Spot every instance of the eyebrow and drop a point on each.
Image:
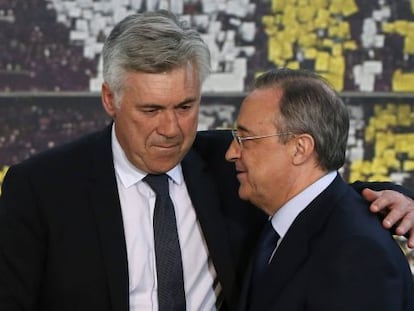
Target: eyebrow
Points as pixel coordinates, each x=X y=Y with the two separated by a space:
x=242 y=128
x=188 y=101
x=156 y=105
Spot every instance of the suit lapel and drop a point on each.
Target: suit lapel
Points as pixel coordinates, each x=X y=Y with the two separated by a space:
x=106 y=206
x=293 y=251
x=243 y=303
x=205 y=198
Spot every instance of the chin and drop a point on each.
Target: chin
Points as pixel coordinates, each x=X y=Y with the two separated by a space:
x=243 y=195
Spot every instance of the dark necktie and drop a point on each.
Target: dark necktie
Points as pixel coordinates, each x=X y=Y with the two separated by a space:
x=171 y=295
x=266 y=246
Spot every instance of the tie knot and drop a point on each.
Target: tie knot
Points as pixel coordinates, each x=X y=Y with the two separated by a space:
x=158 y=183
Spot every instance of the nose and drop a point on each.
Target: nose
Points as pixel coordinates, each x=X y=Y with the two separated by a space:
x=233 y=152
x=168 y=124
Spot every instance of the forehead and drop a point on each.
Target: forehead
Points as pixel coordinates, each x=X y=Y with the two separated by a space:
x=260 y=108
x=182 y=81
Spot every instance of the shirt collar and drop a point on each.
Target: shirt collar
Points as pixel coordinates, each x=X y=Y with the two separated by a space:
x=286 y=215
x=128 y=174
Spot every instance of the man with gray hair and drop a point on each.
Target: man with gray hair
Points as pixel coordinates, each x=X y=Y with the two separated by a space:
x=143 y=215
x=321 y=249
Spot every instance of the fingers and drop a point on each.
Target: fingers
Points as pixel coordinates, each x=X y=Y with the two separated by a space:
x=400 y=208
x=398 y=211
x=406 y=228
x=370 y=195
x=410 y=242
x=378 y=200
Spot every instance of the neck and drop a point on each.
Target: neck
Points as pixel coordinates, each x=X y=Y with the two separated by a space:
x=295 y=184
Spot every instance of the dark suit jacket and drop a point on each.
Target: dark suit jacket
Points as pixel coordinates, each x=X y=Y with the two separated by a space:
x=62 y=244
x=335 y=256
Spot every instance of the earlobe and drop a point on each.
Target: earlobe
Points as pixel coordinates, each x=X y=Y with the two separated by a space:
x=108 y=101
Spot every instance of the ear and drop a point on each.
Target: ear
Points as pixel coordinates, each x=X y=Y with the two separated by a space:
x=303 y=149
x=108 y=100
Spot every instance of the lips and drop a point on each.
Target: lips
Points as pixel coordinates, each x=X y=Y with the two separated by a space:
x=167 y=146
x=165 y=151
x=239 y=168
x=240 y=174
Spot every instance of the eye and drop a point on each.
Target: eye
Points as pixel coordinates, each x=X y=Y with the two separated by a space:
x=185 y=107
x=149 y=110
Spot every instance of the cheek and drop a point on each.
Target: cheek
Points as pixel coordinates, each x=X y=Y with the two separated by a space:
x=188 y=126
x=262 y=172
x=191 y=120
x=136 y=131
x=250 y=187
x=253 y=175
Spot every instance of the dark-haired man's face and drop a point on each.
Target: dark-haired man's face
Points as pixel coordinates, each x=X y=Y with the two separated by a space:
x=263 y=164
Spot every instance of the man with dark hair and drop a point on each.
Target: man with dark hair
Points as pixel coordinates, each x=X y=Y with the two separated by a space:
x=321 y=249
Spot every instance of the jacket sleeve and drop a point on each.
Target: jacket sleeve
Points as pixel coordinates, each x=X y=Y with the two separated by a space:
x=22 y=243
x=360 y=185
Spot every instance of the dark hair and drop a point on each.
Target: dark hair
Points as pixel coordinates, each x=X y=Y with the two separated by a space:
x=310 y=105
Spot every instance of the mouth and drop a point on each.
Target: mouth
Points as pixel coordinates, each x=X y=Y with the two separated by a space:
x=167 y=146
x=239 y=169
x=240 y=174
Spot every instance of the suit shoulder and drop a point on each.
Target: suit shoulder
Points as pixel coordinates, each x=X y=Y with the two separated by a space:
x=216 y=141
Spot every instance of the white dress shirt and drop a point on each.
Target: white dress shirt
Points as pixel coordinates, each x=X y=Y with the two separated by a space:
x=287 y=214
x=137 y=204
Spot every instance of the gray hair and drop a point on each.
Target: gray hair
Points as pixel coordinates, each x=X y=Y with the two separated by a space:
x=152 y=42
x=310 y=105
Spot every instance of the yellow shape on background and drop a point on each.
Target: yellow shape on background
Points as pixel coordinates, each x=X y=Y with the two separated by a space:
x=337 y=50
x=311 y=53
x=293 y=65
x=402 y=82
x=278 y=5
x=337 y=65
x=336 y=80
x=401 y=26
x=336 y=7
x=3 y=172
x=306 y=13
x=344 y=30
x=349 y=7
x=322 y=61
x=390 y=159
x=319 y=4
x=268 y=20
x=350 y=45
x=307 y=40
x=379 y=177
x=388 y=27
x=408 y=165
x=409 y=44
x=322 y=18
x=327 y=42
